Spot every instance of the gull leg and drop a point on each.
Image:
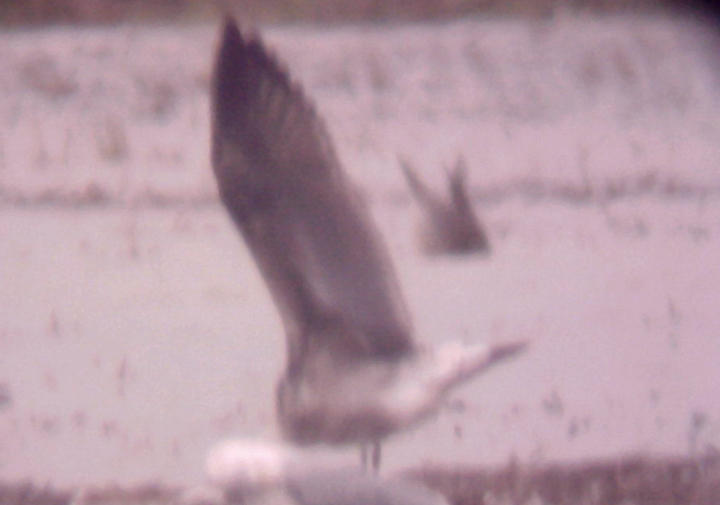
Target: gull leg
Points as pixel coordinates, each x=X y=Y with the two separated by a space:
x=364 y=457
x=376 y=454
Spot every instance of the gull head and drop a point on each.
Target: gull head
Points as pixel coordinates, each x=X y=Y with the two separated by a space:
x=246 y=468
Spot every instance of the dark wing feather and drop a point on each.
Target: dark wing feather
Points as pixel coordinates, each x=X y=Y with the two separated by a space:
x=417 y=187
x=310 y=234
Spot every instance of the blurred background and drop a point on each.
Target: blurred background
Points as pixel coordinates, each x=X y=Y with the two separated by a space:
x=135 y=330
x=112 y=11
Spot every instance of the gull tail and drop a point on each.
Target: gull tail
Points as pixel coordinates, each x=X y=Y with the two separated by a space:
x=458 y=362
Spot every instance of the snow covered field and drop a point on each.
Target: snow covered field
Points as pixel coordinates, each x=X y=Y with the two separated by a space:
x=135 y=330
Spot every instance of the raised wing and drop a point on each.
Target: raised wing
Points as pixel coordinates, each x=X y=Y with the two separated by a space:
x=308 y=230
x=418 y=188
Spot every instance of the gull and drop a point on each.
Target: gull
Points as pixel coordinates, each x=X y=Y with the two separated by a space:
x=250 y=471
x=449 y=224
x=354 y=372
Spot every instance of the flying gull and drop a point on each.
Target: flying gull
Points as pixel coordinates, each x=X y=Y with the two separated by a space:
x=250 y=471
x=449 y=224
x=354 y=373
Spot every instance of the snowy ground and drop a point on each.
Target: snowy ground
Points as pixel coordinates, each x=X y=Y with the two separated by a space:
x=135 y=330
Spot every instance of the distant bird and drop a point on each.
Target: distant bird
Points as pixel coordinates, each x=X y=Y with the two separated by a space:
x=450 y=225
x=248 y=471
x=353 y=373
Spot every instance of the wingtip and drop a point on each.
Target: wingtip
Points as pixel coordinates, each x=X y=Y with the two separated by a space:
x=508 y=349
x=238 y=42
x=242 y=57
x=231 y=35
x=230 y=26
x=239 y=59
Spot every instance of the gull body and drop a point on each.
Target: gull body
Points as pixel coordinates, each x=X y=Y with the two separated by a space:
x=354 y=372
